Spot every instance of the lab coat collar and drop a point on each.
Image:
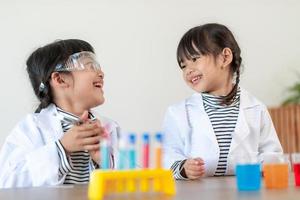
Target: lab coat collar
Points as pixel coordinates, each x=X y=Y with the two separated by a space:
x=48 y=121
x=241 y=130
x=246 y=101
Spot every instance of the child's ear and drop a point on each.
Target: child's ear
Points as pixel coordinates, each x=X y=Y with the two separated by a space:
x=227 y=57
x=59 y=80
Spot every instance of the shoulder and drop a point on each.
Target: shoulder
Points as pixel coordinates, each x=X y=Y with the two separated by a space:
x=248 y=100
x=23 y=130
x=177 y=107
x=179 y=111
x=29 y=126
x=27 y=123
x=193 y=100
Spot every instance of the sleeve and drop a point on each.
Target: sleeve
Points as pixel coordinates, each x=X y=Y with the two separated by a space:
x=178 y=170
x=64 y=164
x=26 y=161
x=269 y=142
x=95 y=165
x=173 y=146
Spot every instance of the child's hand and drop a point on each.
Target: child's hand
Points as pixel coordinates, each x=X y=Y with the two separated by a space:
x=194 y=168
x=83 y=137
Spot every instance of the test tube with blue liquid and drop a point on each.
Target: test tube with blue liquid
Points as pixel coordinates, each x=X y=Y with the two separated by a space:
x=132 y=151
x=122 y=161
x=105 y=153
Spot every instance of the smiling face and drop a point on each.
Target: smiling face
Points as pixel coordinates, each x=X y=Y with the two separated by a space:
x=87 y=88
x=204 y=73
x=210 y=59
x=80 y=89
x=87 y=85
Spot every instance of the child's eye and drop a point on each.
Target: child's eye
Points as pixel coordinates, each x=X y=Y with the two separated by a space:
x=182 y=66
x=195 y=59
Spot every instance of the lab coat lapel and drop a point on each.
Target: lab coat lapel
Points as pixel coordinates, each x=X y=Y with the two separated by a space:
x=242 y=129
x=200 y=120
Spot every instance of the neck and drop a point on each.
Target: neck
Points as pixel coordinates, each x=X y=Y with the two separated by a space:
x=71 y=107
x=224 y=86
x=224 y=89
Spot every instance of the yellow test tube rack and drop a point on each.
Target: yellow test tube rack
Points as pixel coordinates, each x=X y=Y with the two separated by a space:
x=114 y=182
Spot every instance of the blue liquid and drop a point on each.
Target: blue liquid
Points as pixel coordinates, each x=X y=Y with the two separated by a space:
x=131 y=151
x=132 y=159
x=248 y=177
x=104 y=157
x=122 y=159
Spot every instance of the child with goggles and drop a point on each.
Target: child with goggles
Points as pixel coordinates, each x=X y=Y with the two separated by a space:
x=59 y=143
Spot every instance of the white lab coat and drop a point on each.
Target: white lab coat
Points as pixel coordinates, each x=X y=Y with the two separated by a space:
x=192 y=135
x=29 y=156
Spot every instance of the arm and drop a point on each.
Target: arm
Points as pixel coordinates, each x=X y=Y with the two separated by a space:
x=29 y=157
x=269 y=142
x=24 y=167
x=173 y=147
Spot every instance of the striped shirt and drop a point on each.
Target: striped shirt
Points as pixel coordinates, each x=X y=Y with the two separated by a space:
x=177 y=169
x=77 y=165
x=223 y=119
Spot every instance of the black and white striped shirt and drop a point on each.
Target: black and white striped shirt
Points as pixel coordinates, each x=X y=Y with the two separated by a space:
x=177 y=169
x=77 y=165
x=223 y=119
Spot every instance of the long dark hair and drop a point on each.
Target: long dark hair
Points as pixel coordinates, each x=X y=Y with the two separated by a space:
x=42 y=62
x=211 y=39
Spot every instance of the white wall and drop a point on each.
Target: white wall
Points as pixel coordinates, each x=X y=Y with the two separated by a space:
x=136 y=42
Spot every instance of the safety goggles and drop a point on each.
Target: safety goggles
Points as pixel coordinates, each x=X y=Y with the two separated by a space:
x=83 y=60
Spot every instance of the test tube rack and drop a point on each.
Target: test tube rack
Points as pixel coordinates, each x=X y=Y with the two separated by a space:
x=113 y=182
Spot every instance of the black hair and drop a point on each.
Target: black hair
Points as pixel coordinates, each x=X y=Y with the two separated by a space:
x=211 y=39
x=42 y=62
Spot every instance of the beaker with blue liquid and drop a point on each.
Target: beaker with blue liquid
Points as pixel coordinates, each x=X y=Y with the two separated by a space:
x=248 y=173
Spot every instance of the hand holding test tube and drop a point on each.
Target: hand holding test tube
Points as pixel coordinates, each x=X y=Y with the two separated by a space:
x=84 y=136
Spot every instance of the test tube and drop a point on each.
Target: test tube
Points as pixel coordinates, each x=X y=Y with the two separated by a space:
x=105 y=153
x=122 y=154
x=158 y=150
x=132 y=151
x=145 y=149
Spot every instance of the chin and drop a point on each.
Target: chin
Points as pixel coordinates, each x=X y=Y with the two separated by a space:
x=199 y=89
x=100 y=101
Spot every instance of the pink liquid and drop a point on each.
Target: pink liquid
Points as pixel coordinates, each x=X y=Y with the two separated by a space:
x=297 y=173
x=146 y=156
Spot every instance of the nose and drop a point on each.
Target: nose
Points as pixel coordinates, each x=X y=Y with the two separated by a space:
x=100 y=73
x=190 y=71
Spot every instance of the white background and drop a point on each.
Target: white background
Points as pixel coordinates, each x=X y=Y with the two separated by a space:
x=136 y=44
